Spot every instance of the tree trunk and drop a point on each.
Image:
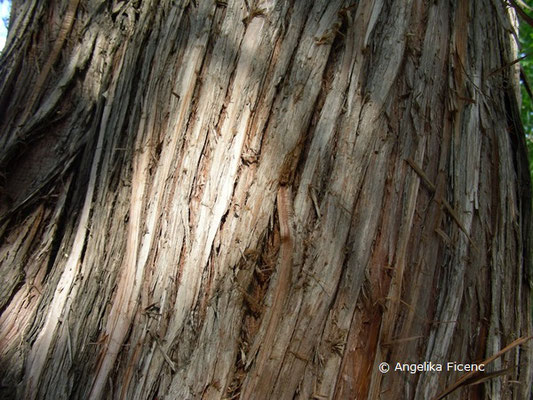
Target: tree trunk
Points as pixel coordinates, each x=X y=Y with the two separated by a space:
x=262 y=200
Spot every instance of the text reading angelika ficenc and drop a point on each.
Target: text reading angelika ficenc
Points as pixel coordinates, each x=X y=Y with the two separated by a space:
x=428 y=366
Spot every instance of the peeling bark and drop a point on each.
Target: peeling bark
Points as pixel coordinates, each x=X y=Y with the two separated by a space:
x=152 y=152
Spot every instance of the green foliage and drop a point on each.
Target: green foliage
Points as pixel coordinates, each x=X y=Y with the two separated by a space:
x=526 y=42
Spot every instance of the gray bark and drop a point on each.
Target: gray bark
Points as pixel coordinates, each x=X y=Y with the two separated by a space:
x=144 y=145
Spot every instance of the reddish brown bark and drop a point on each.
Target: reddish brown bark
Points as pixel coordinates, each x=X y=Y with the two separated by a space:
x=144 y=255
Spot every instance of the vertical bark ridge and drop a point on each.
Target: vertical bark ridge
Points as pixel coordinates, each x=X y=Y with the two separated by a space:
x=141 y=258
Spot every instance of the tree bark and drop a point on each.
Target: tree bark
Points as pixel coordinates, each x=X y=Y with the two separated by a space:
x=262 y=200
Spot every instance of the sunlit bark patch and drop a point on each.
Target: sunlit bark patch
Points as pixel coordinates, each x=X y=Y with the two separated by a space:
x=262 y=200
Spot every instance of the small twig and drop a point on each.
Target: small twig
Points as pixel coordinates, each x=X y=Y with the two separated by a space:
x=474 y=377
x=445 y=204
x=163 y=352
x=509 y=64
